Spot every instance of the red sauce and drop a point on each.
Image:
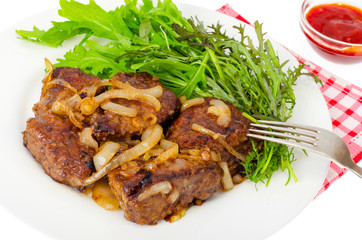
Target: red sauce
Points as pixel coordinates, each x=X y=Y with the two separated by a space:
x=339 y=21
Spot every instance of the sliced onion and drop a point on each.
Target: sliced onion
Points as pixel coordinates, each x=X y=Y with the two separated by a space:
x=161 y=187
x=220 y=139
x=61 y=82
x=130 y=95
x=191 y=157
x=61 y=108
x=215 y=155
x=150 y=118
x=220 y=109
x=48 y=76
x=183 y=99
x=155 y=152
x=89 y=91
x=48 y=65
x=206 y=131
x=191 y=102
x=226 y=180
x=237 y=179
x=88 y=106
x=119 y=109
x=87 y=139
x=132 y=142
x=165 y=144
x=192 y=152
x=74 y=101
x=146 y=134
x=128 y=155
x=173 y=196
x=105 y=154
x=156 y=91
x=172 y=150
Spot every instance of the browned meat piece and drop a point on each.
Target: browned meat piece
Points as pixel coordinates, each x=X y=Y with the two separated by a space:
x=149 y=196
x=235 y=134
x=54 y=143
x=74 y=76
x=110 y=124
x=53 y=140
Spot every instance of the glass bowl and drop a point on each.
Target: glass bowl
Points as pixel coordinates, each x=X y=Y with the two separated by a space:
x=324 y=42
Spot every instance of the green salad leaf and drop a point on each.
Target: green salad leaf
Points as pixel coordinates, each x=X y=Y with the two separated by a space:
x=189 y=58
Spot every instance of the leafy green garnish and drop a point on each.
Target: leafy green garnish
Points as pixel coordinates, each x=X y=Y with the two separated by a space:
x=188 y=58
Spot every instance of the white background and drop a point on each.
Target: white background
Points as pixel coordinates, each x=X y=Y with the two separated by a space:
x=333 y=215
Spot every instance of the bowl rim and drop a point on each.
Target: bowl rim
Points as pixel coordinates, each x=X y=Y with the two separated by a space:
x=307 y=5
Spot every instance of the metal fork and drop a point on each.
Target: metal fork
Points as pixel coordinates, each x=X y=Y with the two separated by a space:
x=306 y=137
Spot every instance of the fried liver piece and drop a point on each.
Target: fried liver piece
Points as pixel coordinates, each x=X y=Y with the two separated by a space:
x=54 y=141
x=181 y=132
x=109 y=124
x=55 y=145
x=142 y=200
x=74 y=76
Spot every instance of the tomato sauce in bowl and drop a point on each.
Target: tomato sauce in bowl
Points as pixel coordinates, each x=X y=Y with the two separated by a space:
x=339 y=21
x=333 y=27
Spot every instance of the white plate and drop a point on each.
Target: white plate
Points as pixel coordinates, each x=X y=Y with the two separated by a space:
x=251 y=211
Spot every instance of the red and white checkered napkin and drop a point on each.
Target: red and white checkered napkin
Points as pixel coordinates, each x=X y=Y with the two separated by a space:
x=344 y=101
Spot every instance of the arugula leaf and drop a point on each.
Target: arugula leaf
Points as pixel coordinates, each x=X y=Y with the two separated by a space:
x=56 y=35
x=92 y=16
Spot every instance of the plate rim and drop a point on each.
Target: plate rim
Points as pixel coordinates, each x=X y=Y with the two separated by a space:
x=27 y=19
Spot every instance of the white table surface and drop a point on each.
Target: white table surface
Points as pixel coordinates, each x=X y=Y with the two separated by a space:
x=333 y=215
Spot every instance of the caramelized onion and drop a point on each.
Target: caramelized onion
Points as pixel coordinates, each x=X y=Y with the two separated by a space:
x=74 y=101
x=173 y=196
x=48 y=65
x=89 y=91
x=87 y=139
x=237 y=179
x=88 y=106
x=156 y=91
x=150 y=118
x=119 y=109
x=220 y=109
x=48 y=76
x=171 y=151
x=161 y=187
x=220 y=139
x=226 y=180
x=192 y=152
x=105 y=154
x=128 y=155
x=130 y=95
x=61 y=108
x=155 y=152
x=182 y=99
x=60 y=82
x=191 y=157
x=191 y=102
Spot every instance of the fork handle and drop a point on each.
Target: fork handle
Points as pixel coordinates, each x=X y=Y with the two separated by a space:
x=356 y=170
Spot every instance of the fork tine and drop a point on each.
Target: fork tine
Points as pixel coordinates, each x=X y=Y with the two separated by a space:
x=310 y=138
x=292 y=125
x=301 y=132
x=283 y=135
x=281 y=141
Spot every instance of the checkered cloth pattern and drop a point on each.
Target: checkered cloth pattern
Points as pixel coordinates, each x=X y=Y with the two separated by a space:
x=344 y=101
